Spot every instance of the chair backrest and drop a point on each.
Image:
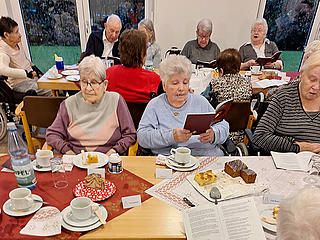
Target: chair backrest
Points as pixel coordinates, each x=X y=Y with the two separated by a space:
x=41 y=111
x=238 y=115
x=136 y=110
x=173 y=50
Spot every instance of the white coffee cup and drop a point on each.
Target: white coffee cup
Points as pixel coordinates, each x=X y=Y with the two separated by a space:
x=43 y=157
x=21 y=198
x=181 y=154
x=53 y=72
x=255 y=69
x=81 y=208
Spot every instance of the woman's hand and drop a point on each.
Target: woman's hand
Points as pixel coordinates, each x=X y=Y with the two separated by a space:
x=70 y=152
x=181 y=135
x=208 y=136
x=111 y=151
x=310 y=147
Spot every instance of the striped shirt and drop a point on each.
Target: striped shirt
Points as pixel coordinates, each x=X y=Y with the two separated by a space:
x=285 y=122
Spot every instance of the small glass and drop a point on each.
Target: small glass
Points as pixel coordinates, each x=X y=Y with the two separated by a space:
x=110 y=63
x=58 y=173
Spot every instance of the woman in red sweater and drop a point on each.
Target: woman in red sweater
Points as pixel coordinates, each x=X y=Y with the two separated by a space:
x=129 y=79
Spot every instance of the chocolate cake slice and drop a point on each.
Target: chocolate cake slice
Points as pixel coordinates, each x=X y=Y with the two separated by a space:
x=234 y=167
x=248 y=175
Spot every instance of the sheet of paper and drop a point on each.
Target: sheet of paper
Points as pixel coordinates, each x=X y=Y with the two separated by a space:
x=292 y=161
x=163 y=173
x=269 y=83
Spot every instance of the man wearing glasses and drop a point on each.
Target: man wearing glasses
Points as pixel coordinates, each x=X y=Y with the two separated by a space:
x=202 y=48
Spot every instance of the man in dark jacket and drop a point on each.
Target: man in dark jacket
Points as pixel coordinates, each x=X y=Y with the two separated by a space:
x=105 y=43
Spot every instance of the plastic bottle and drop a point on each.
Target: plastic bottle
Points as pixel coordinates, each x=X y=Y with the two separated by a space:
x=149 y=62
x=21 y=164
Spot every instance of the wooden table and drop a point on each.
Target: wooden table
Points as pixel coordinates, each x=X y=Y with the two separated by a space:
x=56 y=84
x=153 y=220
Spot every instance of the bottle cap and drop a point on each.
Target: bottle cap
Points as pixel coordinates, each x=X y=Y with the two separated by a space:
x=11 y=126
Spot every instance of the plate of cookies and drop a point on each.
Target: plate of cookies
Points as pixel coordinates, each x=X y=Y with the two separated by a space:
x=235 y=180
x=269 y=214
x=87 y=160
x=94 y=187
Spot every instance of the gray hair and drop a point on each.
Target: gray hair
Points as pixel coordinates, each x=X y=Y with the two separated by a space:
x=205 y=24
x=113 y=17
x=311 y=48
x=260 y=21
x=92 y=64
x=312 y=61
x=148 y=25
x=174 y=64
x=299 y=216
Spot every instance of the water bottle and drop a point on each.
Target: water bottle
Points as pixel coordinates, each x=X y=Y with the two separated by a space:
x=148 y=65
x=21 y=164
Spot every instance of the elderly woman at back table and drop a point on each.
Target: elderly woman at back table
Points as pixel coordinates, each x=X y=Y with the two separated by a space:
x=230 y=84
x=299 y=216
x=161 y=126
x=153 y=51
x=259 y=46
x=292 y=120
x=92 y=119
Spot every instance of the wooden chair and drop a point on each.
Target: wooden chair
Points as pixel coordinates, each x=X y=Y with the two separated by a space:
x=38 y=112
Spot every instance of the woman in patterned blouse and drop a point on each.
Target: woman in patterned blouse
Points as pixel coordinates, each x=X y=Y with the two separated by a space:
x=230 y=84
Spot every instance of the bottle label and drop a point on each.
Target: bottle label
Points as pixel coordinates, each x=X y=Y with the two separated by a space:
x=24 y=175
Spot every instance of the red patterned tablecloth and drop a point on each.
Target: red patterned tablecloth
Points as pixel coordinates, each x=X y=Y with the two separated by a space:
x=126 y=182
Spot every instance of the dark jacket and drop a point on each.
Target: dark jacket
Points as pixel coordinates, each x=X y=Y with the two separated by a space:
x=95 y=45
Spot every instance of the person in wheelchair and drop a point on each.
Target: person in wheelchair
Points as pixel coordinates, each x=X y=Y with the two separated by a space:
x=229 y=85
x=21 y=72
x=93 y=119
x=161 y=125
x=291 y=122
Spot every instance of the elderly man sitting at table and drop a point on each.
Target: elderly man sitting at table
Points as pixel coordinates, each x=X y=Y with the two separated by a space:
x=93 y=119
x=161 y=126
x=202 y=48
x=259 y=46
x=292 y=121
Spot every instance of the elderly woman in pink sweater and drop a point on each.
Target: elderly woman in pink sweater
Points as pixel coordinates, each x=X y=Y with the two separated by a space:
x=93 y=119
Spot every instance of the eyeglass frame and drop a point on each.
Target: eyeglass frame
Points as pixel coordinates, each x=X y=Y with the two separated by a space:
x=92 y=86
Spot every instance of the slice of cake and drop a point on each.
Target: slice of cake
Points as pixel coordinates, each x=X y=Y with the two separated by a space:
x=248 y=175
x=92 y=158
x=205 y=178
x=276 y=211
x=234 y=167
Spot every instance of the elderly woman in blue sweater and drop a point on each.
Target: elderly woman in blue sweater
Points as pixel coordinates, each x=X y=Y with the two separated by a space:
x=161 y=125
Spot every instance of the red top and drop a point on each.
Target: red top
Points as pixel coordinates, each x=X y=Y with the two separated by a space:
x=133 y=84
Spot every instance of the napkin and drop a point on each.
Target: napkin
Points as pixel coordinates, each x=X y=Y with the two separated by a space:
x=161 y=159
x=46 y=222
x=68 y=162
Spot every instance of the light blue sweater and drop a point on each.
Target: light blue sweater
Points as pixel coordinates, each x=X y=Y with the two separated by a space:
x=158 y=121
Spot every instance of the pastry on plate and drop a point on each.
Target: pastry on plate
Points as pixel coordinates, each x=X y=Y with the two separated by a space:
x=234 y=167
x=205 y=178
x=276 y=211
x=94 y=181
x=248 y=175
x=92 y=158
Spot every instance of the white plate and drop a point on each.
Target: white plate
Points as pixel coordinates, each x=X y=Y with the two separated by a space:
x=184 y=169
x=256 y=73
x=72 y=221
x=104 y=214
x=266 y=210
x=70 y=72
x=57 y=77
x=190 y=164
x=73 y=78
x=41 y=169
x=18 y=213
x=102 y=160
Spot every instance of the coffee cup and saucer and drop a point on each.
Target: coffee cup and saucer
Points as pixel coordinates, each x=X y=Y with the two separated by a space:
x=21 y=203
x=42 y=162
x=80 y=217
x=181 y=159
x=255 y=70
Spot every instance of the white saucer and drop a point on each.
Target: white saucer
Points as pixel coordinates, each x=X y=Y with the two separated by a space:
x=266 y=210
x=104 y=214
x=55 y=77
x=71 y=220
x=18 y=213
x=191 y=162
x=40 y=169
x=184 y=169
x=73 y=78
x=256 y=73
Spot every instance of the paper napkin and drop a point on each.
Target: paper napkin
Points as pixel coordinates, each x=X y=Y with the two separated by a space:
x=161 y=159
x=46 y=222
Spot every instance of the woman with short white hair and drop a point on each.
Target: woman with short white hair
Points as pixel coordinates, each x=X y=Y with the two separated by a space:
x=161 y=125
x=93 y=119
x=299 y=216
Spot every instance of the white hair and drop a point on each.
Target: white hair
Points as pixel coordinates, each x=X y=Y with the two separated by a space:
x=311 y=48
x=174 y=64
x=206 y=25
x=113 y=17
x=299 y=216
x=148 y=25
x=260 y=21
x=311 y=62
x=93 y=64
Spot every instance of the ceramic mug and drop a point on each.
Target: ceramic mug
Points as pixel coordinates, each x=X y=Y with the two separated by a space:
x=43 y=157
x=254 y=69
x=21 y=198
x=181 y=154
x=81 y=208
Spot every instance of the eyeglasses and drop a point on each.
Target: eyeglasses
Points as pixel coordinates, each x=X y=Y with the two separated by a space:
x=93 y=84
x=257 y=30
x=204 y=36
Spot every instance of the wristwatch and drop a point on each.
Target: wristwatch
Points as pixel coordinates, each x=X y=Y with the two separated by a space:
x=274 y=65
